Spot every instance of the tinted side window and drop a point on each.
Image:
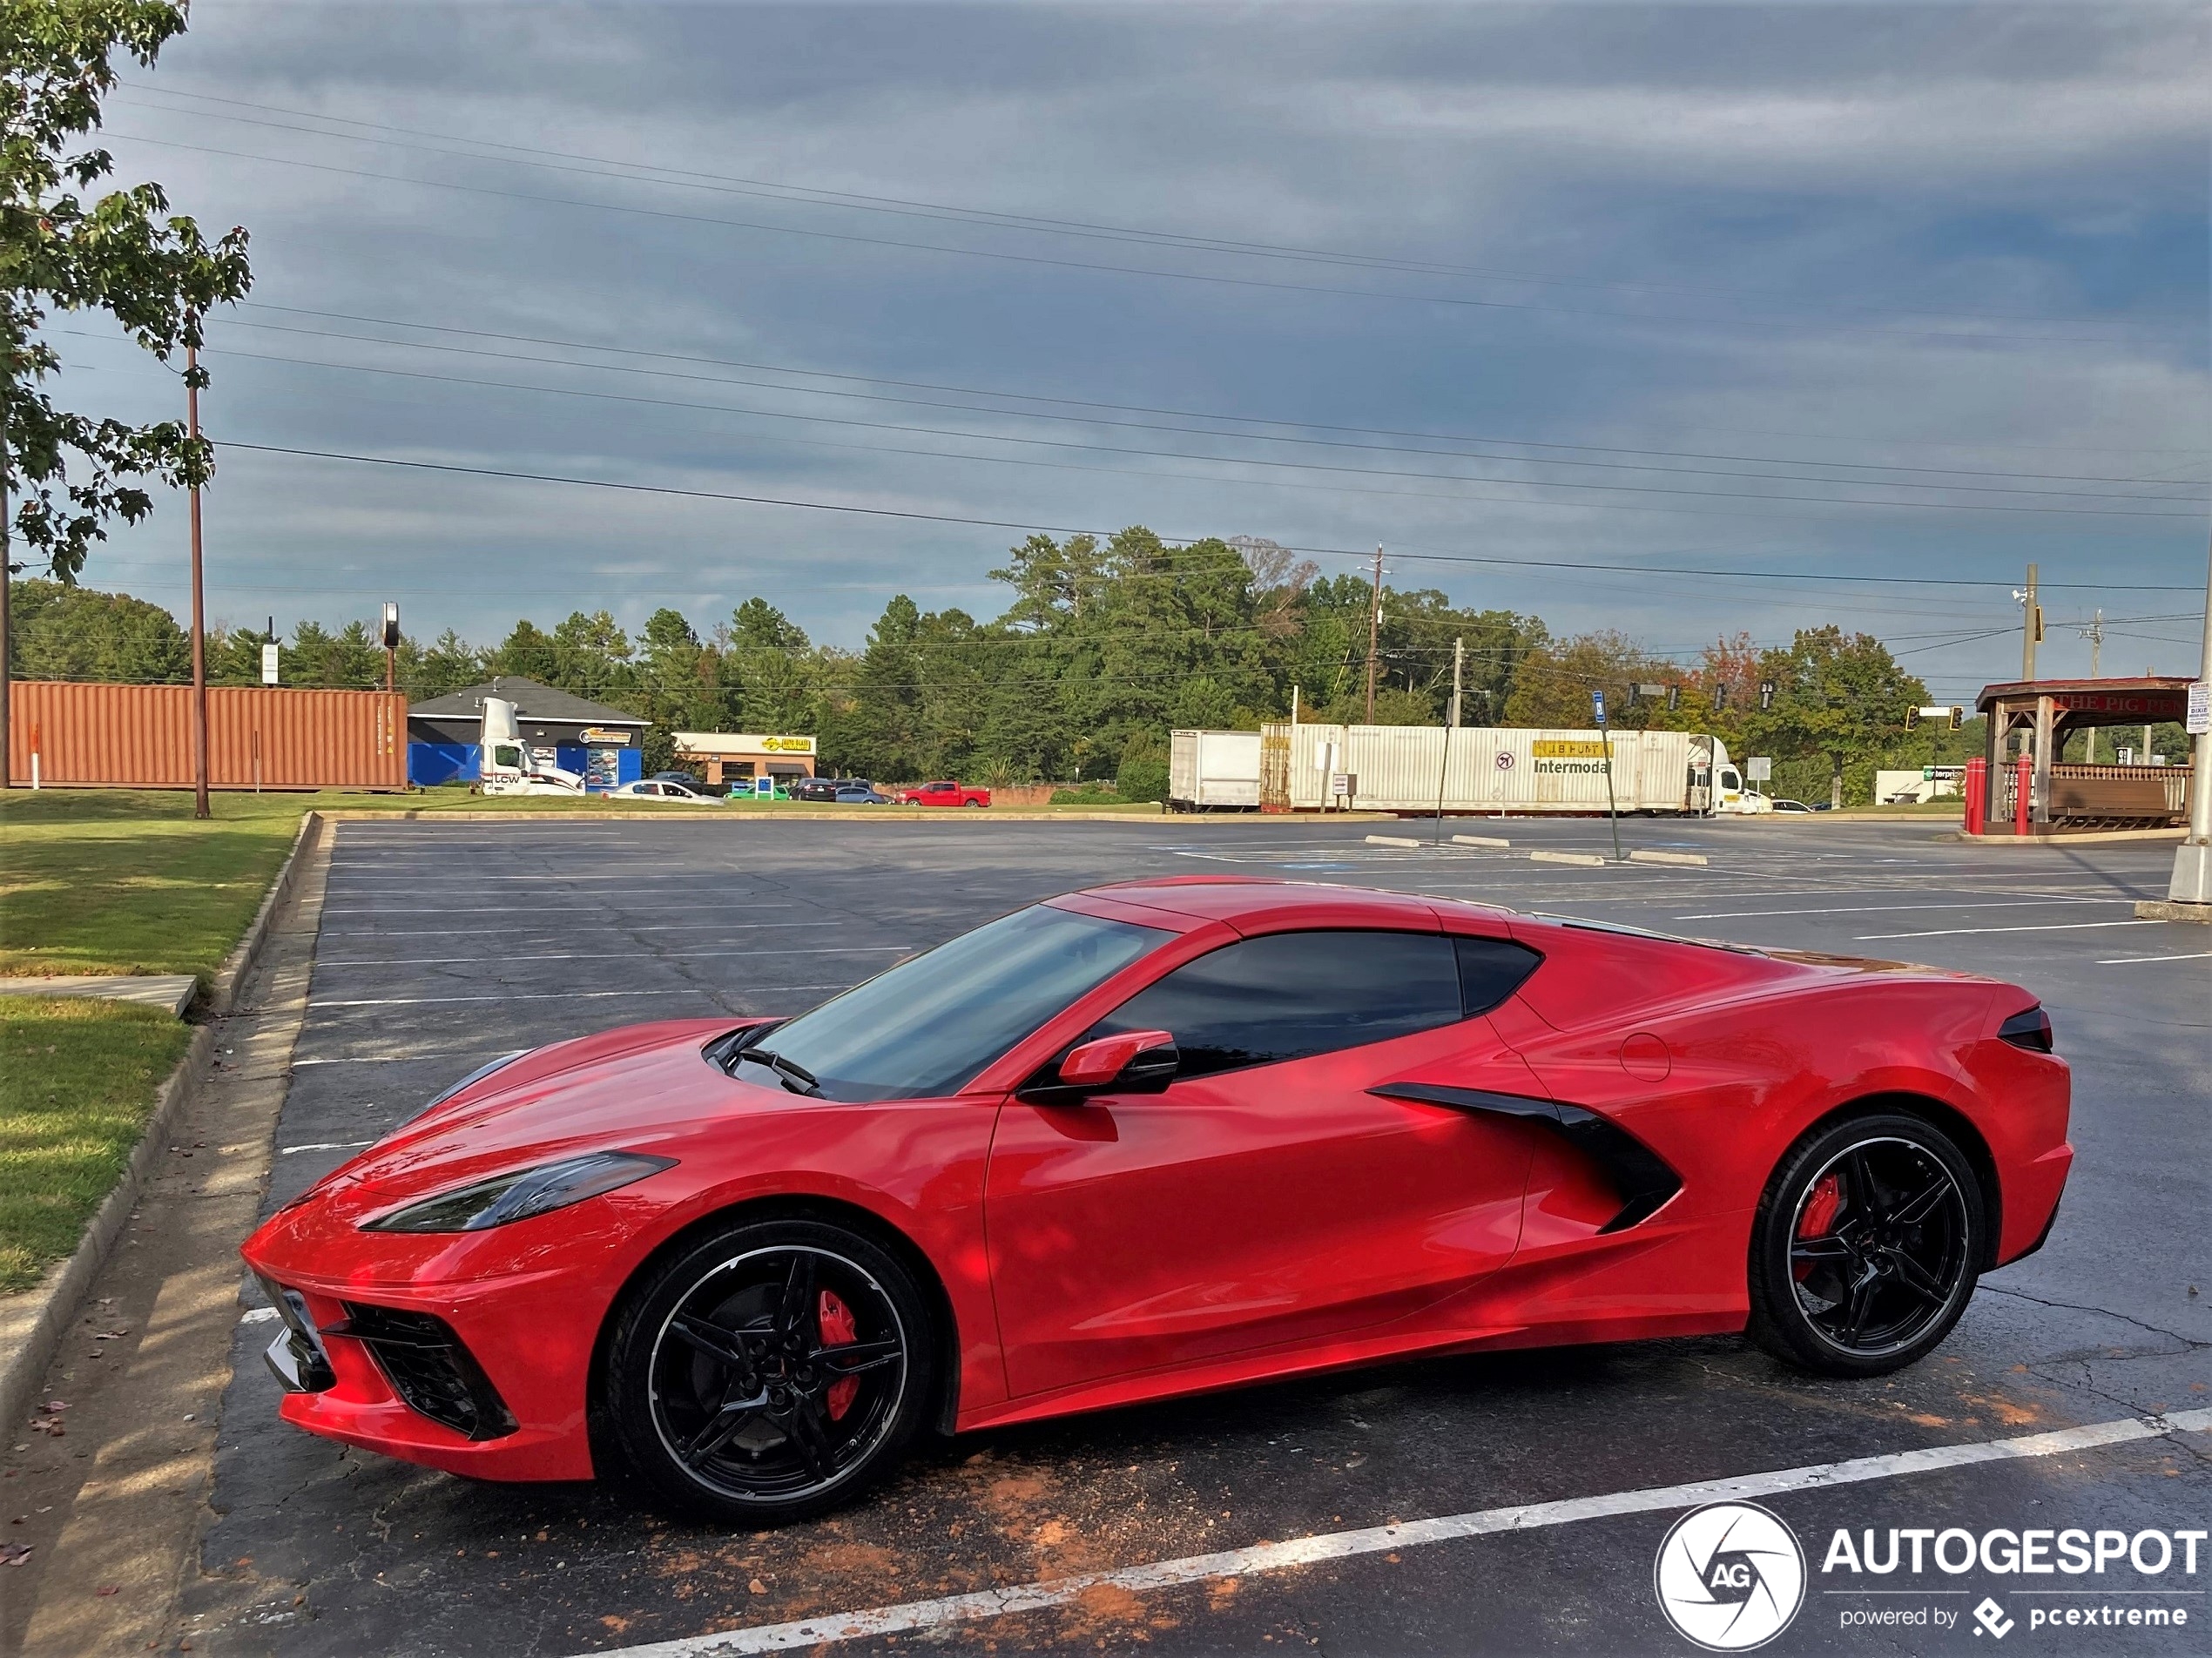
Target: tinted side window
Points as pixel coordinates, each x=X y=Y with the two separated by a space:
x=1290 y=994
x=1491 y=970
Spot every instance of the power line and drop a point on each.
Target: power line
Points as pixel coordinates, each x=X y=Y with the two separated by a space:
x=1073 y=402
x=850 y=237
x=1062 y=530
x=1295 y=466
x=1514 y=460
x=806 y=195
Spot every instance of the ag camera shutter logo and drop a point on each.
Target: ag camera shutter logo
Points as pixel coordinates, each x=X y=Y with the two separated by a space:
x=1730 y=1576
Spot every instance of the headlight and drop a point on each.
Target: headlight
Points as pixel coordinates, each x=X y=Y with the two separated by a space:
x=476 y=1075
x=518 y=1196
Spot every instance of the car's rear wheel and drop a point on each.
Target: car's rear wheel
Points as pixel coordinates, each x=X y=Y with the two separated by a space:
x=771 y=1373
x=1867 y=1247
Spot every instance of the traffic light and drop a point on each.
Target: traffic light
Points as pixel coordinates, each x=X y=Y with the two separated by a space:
x=1720 y=695
x=1766 y=694
x=1912 y=718
x=1674 y=697
x=1957 y=717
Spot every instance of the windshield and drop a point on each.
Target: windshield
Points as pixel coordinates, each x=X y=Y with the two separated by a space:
x=929 y=1024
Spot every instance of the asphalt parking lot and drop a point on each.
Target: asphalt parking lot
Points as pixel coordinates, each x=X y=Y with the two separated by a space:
x=442 y=944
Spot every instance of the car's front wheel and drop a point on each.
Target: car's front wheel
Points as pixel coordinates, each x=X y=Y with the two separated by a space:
x=1867 y=1247
x=771 y=1373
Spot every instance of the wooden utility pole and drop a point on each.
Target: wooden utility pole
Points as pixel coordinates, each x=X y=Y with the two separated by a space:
x=1374 y=631
x=199 y=605
x=7 y=638
x=1451 y=725
x=2031 y=627
x=1458 y=661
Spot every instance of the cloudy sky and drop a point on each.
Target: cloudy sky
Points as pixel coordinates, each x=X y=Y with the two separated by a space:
x=1755 y=309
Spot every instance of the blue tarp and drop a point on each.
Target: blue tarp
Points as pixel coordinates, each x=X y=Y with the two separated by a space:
x=431 y=763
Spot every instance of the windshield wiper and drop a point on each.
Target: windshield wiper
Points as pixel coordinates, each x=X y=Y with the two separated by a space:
x=790 y=1073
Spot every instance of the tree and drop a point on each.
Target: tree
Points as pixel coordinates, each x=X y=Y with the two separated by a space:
x=526 y=653
x=1552 y=682
x=1838 y=697
x=65 y=632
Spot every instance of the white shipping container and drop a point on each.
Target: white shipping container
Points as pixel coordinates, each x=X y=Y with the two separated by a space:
x=1212 y=770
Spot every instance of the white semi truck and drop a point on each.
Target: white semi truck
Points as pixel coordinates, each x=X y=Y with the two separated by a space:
x=1476 y=769
x=508 y=768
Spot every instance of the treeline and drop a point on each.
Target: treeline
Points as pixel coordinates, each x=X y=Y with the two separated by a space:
x=1103 y=650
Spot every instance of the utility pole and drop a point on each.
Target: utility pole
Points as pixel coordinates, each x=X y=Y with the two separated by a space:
x=7 y=638
x=1374 y=631
x=2096 y=634
x=2192 y=882
x=199 y=605
x=2031 y=625
x=1451 y=725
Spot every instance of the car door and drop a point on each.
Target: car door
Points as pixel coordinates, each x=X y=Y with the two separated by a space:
x=1267 y=1196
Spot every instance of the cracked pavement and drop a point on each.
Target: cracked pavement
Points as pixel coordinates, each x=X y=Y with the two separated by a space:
x=444 y=944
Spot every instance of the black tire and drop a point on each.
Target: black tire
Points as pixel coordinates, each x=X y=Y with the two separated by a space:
x=723 y=1385
x=1867 y=1245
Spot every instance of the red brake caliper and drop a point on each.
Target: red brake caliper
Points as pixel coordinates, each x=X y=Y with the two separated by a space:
x=839 y=1329
x=1820 y=1214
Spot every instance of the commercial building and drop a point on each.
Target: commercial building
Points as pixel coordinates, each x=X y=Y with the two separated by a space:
x=735 y=756
x=445 y=735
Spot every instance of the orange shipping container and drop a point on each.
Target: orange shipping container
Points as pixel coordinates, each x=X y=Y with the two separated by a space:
x=140 y=736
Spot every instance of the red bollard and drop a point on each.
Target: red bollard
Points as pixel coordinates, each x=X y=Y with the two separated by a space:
x=2023 y=792
x=1977 y=793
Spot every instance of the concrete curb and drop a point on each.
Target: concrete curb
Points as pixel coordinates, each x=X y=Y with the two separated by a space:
x=1595 y=860
x=2160 y=909
x=863 y=815
x=1394 y=840
x=1695 y=859
x=2091 y=837
x=1479 y=840
x=31 y=1325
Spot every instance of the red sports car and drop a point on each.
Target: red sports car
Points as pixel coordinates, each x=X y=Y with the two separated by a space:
x=1150 y=1139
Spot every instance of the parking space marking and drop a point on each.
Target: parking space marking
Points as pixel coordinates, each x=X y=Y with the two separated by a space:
x=1339 y=1546
x=2048 y=926
x=2129 y=961
x=481 y=931
x=572 y=995
x=594 y=955
x=324 y=1145
x=1936 y=904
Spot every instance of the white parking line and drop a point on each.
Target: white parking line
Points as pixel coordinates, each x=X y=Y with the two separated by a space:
x=1374 y=1540
x=1933 y=904
x=597 y=955
x=554 y=933
x=2129 y=961
x=2051 y=926
x=324 y=1145
x=572 y=995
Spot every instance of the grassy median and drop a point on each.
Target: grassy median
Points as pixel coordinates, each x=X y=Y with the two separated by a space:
x=77 y=1078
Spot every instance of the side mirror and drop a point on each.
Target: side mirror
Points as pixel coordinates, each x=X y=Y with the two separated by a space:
x=1135 y=1061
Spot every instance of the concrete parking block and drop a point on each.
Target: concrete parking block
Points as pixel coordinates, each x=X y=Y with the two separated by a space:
x=1595 y=859
x=1695 y=859
x=1394 y=840
x=1480 y=840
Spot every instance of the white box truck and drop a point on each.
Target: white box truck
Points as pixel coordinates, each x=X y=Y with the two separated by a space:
x=1407 y=768
x=1213 y=771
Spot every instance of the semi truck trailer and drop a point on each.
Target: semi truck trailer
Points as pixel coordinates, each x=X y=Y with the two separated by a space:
x=1483 y=769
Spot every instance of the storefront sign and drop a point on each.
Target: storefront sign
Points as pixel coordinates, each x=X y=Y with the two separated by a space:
x=593 y=734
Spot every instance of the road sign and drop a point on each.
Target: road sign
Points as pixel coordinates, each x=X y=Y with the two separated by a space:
x=2197 y=718
x=1504 y=762
x=269 y=655
x=1597 y=705
x=1759 y=768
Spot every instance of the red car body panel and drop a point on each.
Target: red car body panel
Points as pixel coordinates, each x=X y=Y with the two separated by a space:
x=1135 y=1246
x=945 y=794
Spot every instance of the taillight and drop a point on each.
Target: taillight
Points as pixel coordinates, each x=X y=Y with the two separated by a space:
x=2031 y=1029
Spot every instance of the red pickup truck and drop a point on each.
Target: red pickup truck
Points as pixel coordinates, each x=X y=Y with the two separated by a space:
x=944 y=794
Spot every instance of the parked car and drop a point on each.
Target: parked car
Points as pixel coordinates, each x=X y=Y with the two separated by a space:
x=690 y=779
x=860 y=794
x=944 y=794
x=661 y=790
x=1233 y=1132
x=1792 y=806
x=817 y=788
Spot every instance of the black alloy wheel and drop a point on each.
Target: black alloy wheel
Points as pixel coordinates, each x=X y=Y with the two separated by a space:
x=770 y=1374
x=1867 y=1246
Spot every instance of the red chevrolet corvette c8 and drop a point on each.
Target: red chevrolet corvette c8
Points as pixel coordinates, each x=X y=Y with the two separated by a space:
x=1147 y=1139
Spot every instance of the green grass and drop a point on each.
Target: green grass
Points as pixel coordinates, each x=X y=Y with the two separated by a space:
x=77 y=1078
x=126 y=881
